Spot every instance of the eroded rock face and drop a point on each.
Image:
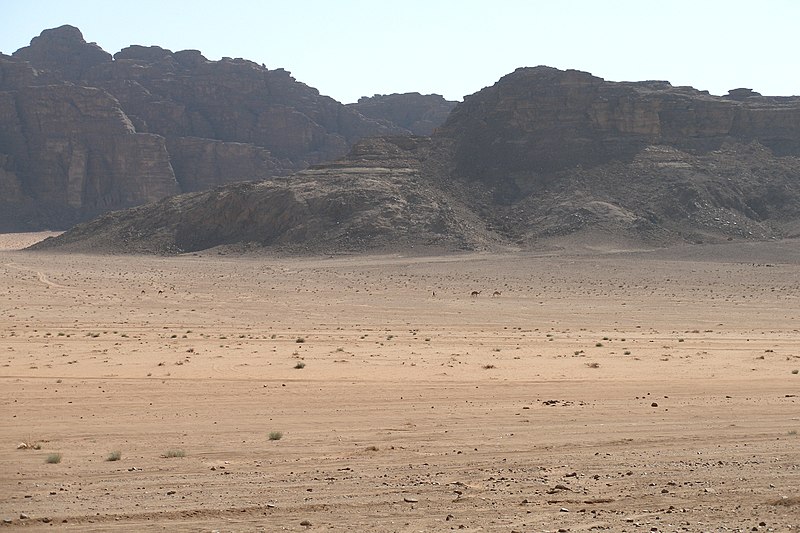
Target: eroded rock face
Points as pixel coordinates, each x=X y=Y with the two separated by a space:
x=540 y=120
x=82 y=132
x=74 y=151
x=420 y=114
x=377 y=198
x=543 y=156
x=565 y=152
x=63 y=54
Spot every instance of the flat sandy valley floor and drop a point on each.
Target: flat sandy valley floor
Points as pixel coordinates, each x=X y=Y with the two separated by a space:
x=619 y=391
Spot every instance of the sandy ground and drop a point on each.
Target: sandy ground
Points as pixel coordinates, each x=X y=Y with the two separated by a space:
x=18 y=241
x=619 y=392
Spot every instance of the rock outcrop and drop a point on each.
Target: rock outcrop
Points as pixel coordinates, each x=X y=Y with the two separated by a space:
x=82 y=132
x=420 y=114
x=71 y=151
x=563 y=151
x=352 y=205
x=539 y=120
x=542 y=157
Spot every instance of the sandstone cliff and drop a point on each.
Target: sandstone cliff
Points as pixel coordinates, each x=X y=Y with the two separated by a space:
x=419 y=114
x=543 y=157
x=82 y=132
x=377 y=198
x=565 y=151
x=72 y=152
x=539 y=120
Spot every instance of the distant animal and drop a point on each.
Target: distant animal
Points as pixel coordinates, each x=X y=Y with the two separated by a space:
x=496 y=293
x=474 y=294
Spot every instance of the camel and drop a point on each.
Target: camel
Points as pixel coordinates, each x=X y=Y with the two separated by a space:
x=474 y=294
x=496 y=293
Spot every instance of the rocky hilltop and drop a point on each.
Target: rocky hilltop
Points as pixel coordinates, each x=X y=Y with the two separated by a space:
x=376 y=198
x=420 y=114
x=564 y=150
x=543 y=156
x=82 y=132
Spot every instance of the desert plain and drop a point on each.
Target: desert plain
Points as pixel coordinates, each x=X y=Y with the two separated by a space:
x=599 y=389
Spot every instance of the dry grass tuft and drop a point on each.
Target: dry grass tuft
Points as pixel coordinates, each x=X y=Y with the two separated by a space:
x=53 y=459
x=169 y=454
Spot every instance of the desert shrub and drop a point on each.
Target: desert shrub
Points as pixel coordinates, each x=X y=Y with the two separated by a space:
x=177 y=452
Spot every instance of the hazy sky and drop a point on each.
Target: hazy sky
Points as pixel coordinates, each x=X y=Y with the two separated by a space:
x=353 y=48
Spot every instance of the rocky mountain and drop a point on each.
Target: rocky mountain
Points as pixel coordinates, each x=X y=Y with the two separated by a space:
x=376 y=198
x=562 y=151
x=420 y=114
x=541 y=158
x=82 y=132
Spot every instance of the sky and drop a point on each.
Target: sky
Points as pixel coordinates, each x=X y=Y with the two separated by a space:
x=352 y=48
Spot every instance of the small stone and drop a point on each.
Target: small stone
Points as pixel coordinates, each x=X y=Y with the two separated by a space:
x=563 y=510
x=410 y=500
x=170 y=492
x=305 y=523
x=7 y=521
x=47 y=520
x=654 y=404
x=22 y=446
x=23 y=516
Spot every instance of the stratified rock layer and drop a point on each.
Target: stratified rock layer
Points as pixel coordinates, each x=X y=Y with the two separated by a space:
x=419 y=113
x=540 y=120
x=543 y=157
x=349 y=206
x=82 y=133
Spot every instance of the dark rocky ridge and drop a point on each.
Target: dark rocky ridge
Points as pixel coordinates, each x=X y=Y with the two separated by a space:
x=82 y=133
x=420 y=114
x=536 y=121
x=375 y=199
x=543 y=156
